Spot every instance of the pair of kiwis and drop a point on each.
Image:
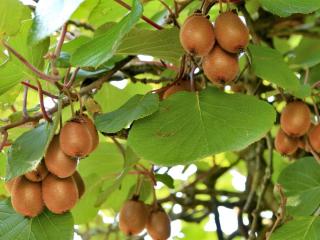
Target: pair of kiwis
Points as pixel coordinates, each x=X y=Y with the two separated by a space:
x=136 y=216
x=38 y=189
x=295 y=122
x=219 y=45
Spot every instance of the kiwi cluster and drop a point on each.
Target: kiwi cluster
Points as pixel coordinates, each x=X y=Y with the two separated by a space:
x=135 y=216
x=295 y=124
x=55 y=183
x=218 y=44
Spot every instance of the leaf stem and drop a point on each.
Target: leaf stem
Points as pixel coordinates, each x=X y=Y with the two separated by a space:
x=27 y=84
x=42 y=107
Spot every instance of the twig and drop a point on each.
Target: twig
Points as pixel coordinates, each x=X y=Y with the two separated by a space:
x=40 y=74
x=82 y=25
x=36 y=88
x=25 y=102
x=61 y=40
x=4 y=139
x=281 y=212
x=250 y=24
x=217 y=219
x=72 y=78
x=172 y=15
x=42 y=107
x=120 y=147
x=147 y=20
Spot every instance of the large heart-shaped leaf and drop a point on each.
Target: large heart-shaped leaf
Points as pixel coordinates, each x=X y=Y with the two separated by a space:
x=190 y=126
x=301 y=182
x=28 y=150
x=101 y=48
x=285 y=8
x=302 y=228
x=139 y=106
x=307 y=54
x=268 y=64
x=47 y=226
x=50 y=16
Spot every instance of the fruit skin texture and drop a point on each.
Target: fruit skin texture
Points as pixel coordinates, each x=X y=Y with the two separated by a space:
x=314 y=138
x=38 y=174
x=59 y=194
x=9 y=184
x=26 y=197
x=80 y=183
x=158 y=225
x=93 y=131
x=285 y=144
x=133 y=217
x=197 y=35
x=76 y=139
x=57 y=161
x=231 y=33
x=295 y=119
x=220 y=67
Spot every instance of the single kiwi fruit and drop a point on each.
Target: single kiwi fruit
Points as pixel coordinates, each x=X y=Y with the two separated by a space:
x=231 y=33
x=92 y=129
x=284 y=144
x=9 y=184
x=158 y=225
x=59 y=194
x=80 y=183
x=197 y=35
x=133 y=217
x=314 y=138
x=75 y=138
x=220 y=66
x=295 y=119
x=57 y=161
x=26 y=197
x=38 y=174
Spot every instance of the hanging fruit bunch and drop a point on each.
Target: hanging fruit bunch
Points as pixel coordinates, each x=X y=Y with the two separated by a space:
x=55 y=183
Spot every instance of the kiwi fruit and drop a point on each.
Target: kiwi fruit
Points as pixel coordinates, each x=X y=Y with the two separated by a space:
x=38 y=174
x=133 y=217
x=197 y=35
x=284 y=144
x=231 y=33
x=76 y=139
x=26 y=197
x=314 y=138
x=57 y=161
x=59 y=194
x=80 y=183
x=158 y=225
x=295 y=119
x=220 y=66
x=9 y=184
x=93 y=131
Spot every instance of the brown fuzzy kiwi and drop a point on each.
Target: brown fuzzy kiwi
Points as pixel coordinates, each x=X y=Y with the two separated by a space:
x=9 y=184
x=26 y=197
x=295 y=119
x=133 y=217
x=38 y=174
x=158 y=225
x=231 y=33
x=80 y=183
x=93 y=131
x=59 y=194
x=314 y=138
x=75 y=138
x=220 y=66
x=284 y=144
x=197 y=35
x=57 y=161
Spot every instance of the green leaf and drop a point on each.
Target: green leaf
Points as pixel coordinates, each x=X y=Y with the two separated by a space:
x=139 y=106
x=50 y=16
x=269 y=65
x=12 y=12
x=165 y=179
x=301 y=182
x=302 y=228
x=307 y=54
x=190 y=126
x=100 y=49
x=164 y=44
x=285 y=8
x=28 y=150
x=47 y=226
